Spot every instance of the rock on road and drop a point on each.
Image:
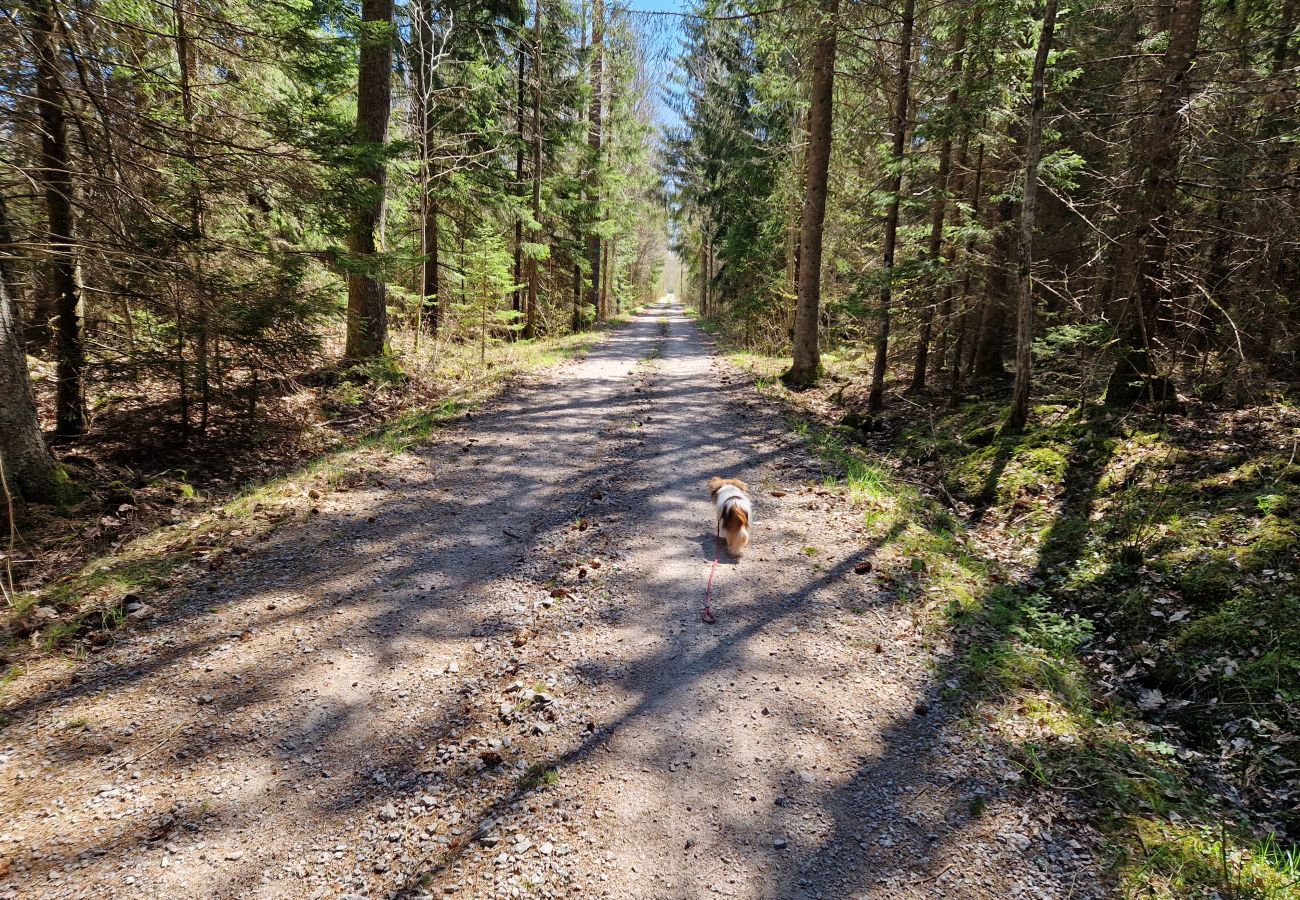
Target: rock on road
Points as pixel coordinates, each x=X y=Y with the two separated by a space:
x=480 y=671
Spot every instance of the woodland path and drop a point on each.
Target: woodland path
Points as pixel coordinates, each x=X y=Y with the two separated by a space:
x=480 y=671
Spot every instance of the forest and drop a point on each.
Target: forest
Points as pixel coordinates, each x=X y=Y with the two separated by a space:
x=1024 y=275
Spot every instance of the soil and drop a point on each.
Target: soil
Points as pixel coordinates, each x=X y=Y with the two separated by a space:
x=480 y=670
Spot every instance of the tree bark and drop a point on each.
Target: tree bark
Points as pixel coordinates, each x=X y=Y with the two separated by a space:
x=986 y=358
x=367 y=334
x=963 y=315
x=27 y=461
x=1147 y=246
x=1019 y=414
x=430 y=313
x=56 y=179
x=521 y=141
x=703 y=272
x=594 y=141
x=530 y=313
x=188 y=66
x=806 y=364
x=577 y=297
x=938 y=211
x=903 y=86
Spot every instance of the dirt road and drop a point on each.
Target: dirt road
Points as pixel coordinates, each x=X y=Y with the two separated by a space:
x=480 y=671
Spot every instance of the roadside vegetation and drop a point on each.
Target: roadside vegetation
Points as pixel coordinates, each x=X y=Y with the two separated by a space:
x=1120 y=589
x=83 y=569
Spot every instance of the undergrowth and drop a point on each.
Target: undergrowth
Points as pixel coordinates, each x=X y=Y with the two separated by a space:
x=1123 y=591
x=80 y=607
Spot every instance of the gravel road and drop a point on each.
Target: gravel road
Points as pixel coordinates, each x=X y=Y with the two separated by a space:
x=479 y=670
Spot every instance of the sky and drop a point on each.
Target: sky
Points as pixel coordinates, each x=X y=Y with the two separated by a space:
x=670 y=29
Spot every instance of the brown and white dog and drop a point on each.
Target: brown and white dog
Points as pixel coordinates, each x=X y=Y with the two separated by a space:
x=731 y=497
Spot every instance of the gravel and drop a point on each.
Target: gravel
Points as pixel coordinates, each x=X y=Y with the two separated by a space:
x=479 y=670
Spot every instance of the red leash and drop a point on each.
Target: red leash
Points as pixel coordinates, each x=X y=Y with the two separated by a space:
x=707 y=616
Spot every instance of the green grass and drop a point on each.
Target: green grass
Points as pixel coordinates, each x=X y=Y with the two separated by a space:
x=538 y=776
x=1101 y=522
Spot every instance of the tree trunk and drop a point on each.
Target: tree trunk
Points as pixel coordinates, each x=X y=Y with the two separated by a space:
x=605 y=274
x=806 y=364
x=986 y=359
x=876 y=399
x=431 y=289
x=521 y=141
x=367 y=299
x=577 y=297
x=1019 y=414
x=937 y=215
x=1148 y=243
x=56 y=179
x=530 y=315
x=594 y=138
x=703 y=272
x=187 y=65
x=963 y=315
x=7 y=274
x=423 y=64
x=27 y=461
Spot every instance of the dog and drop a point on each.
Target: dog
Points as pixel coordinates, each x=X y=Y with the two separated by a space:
x=731 y=497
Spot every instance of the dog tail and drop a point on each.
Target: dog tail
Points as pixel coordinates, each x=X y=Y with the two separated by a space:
x=735 y=522
x=715 y=484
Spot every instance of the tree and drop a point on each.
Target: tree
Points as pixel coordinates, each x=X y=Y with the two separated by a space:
x=594 y=137
x=1019 y=414
x=939 y=209
x=898 y=127
x=530 y=306
x=806 y=364
x=27 y=462
x=1146 y=249
x=56 y=177
x=367 y=335
x=425 y=57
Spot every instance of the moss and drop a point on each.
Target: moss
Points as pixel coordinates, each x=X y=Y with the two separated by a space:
x=1272 y=541
x=1170 y=860
x=1208 y=584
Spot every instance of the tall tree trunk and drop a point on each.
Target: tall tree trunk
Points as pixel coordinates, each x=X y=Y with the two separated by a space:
x=577 y=297
x=27 y=461
x=188 y=66
x=423 y=64
x=938 y=213
x=367 y=298
x=35 y=333
x=604 y=285
x=1019 y=414
x=1147 y=246
x=903 y=86
x=986 y=356
x=521 y=141
x=56 y=179
x=596 y=114
x=806 y=363
x=432 y=311
x=963 y=314
x=530 y=314
x=7 y=274
x=703 y=272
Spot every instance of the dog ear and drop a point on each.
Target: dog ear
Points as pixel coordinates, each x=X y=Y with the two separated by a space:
x=740 y=484
x=715 y=484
